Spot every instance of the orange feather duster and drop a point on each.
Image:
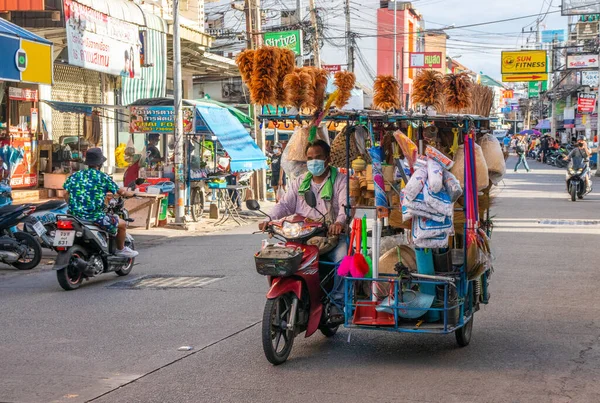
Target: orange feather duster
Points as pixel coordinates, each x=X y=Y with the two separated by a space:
x=428 y=87
x=386 y=94
x=344 y=81
x=245 y=62
x=457 y=89
x=287 y=62
x=263 y=89
x=299 y=90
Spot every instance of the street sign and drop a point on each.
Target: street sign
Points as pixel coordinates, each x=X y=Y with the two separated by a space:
x=535 y=87
x=508 y=94
x=332 y=68
x=518 y=78
x=285 y=39
x=587 y=30
x=552 y=35
x=425 y=60
x=506 y=109
x=586 y=102
x=579 y=7
x=587 y=61
x=524 y=61
x=589 y=78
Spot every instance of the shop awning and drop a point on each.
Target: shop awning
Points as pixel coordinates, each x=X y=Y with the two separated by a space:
x=26 y=56
x=245 y=154
x=241 y=116
x=77 y=107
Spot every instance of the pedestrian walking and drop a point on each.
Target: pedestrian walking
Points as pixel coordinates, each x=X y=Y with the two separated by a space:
x=521 y=149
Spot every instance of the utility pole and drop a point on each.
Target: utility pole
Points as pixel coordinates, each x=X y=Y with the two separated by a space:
x=178 y=132
x=313 y=20
x=349 y=40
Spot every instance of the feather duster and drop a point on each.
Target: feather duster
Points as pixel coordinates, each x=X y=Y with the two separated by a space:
x=287 y=63
x=344 y=81
x=264 y=75
x=320 y=78
x=386 y=94
x=245 y=62
x=299 y=91
x=457 y=89
x=428 y=87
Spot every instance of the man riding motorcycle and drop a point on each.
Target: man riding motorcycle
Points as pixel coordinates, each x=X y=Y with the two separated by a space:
x=330 y=189
x=579 y=155
x=86 y=195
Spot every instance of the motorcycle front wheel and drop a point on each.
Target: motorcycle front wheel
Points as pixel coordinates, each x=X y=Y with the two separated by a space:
x=573 y=192
x=70 y=278
x=276 y=337
x=34 y=251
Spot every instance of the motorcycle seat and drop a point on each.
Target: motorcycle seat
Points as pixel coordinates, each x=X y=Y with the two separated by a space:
x=11 y=208
x=51 y=205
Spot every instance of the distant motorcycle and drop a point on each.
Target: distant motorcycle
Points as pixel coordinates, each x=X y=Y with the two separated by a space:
x=42 y=223
x=18 y=249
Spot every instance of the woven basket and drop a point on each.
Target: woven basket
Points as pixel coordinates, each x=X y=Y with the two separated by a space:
x=338 y=150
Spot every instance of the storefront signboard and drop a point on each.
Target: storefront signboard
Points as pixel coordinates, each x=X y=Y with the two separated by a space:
x=100 y=42
x=587 y=61
x=285 y=39
x=332 y=68
x=159 y=119
x=586 y=102
x=22 y=94
x=579 y=7
x=425 y=60
x=589 y=78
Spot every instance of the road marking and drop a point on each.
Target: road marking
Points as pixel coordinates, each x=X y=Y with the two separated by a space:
x=174 y=282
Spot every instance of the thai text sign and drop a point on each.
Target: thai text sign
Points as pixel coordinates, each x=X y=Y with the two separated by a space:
x=332 y=68
x=524 y=61
x=425 y=60
x=589 y=78
x=586 y=102
x=158 y=119
x=579 y=7
x=589 y=61
x=102 y=43
x=291 y=40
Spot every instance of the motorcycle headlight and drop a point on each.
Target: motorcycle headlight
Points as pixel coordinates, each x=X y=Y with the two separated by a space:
x=293 y=230
x=580 y=170
x=571 y=171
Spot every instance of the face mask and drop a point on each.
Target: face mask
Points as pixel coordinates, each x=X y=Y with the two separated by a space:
x=277 y=151
x=316 y=167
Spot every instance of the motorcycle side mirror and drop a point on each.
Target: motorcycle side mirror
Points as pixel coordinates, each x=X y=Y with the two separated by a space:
x=310 y=199
x=135 y=183
x=252 y=205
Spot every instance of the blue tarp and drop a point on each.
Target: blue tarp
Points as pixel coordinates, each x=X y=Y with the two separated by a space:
x=245 y=154
x=71 y=107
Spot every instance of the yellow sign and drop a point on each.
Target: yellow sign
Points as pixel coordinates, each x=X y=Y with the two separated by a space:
x=39 y=62
x=519 y=78
x=524 y=61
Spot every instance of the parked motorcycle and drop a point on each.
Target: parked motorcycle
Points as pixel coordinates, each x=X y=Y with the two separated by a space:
x=42 y=223
x=297 y=299
x=18 y=249
x=85 y=250
x=576 y=175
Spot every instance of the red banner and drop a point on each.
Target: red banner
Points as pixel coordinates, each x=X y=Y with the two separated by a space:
x=586 y=103
x=425 y=60
x=332 y=68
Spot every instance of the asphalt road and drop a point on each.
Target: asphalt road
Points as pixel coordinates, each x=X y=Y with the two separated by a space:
x=537 y=341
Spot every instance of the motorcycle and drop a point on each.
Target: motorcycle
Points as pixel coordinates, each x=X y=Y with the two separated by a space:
x=297 y=300
x=576 y=175
x=42 y=223
x=85 y=250
x=17 y=249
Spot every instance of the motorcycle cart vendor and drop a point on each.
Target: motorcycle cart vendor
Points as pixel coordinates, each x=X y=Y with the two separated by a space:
x=330 y=189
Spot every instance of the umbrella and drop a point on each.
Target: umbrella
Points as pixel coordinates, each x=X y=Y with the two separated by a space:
x=531 y=132
x=543 y=125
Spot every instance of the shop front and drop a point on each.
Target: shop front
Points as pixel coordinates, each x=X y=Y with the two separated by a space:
x=27 y=62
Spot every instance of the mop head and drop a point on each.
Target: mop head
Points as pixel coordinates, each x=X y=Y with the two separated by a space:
x=386 y=93
x=345 y=267
x=360 y=267
x=264 y=75
x=344 y=81
x=245 y=62
x=428 y=87
x=457 y=89
x=287 y=62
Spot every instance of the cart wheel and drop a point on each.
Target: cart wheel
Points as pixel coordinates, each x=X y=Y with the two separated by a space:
x=197 y=204
x=328 y=331
x=463 y=335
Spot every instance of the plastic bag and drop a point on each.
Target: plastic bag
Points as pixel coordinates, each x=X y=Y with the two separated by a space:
x=435 y=175
x=409 y=149
x=439 y=157
x=280 y=193
x=458 y=169
x=452 y=186
x=494 y=157
x=130 y=148
x=415 y=184
x=296 y=147
x=293 y=169
x=439 y=201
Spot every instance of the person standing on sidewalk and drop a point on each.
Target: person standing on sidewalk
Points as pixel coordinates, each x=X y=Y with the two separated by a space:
x=521 y=149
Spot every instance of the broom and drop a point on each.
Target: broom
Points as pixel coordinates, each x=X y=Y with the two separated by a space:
x=360 y=266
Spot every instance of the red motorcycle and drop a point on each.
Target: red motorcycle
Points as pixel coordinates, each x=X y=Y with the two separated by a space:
x=297 y=300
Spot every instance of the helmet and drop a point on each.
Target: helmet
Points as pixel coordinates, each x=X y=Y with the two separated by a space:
x=277 y=145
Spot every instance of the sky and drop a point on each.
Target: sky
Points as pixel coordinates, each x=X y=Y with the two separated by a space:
x=480 y=46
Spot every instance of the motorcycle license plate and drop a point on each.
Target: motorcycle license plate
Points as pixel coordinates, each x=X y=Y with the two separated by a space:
x=64 y=238
x=39 y=228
